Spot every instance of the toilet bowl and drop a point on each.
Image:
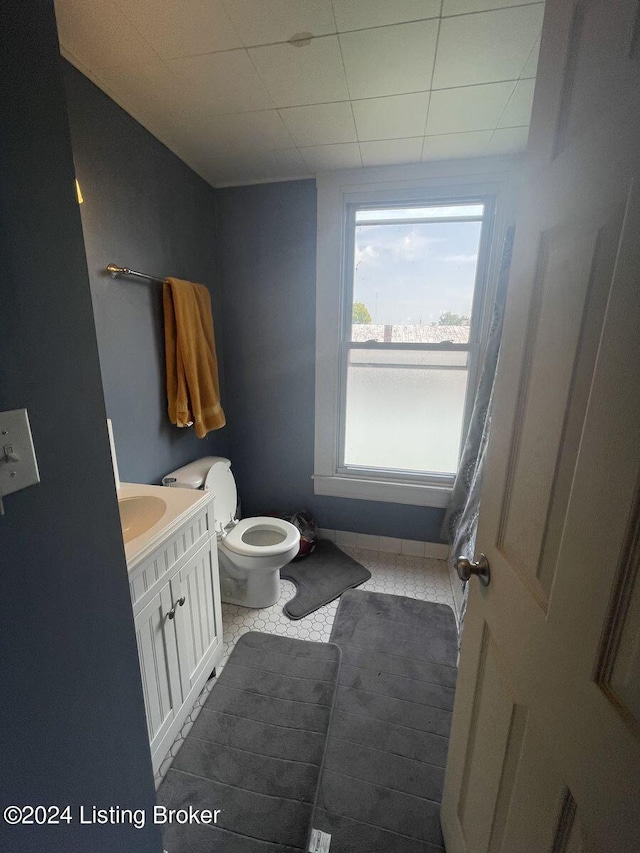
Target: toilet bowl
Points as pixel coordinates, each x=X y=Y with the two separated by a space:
x=251 y=551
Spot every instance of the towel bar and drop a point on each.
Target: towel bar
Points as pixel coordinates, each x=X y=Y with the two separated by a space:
x=116 y=271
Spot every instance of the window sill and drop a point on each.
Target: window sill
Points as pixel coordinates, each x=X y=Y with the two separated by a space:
x=414 y=494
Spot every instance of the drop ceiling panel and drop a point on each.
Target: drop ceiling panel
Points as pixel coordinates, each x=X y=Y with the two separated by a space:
x=393 y=117
x=356 y=15
x=182 y=109
x=462 y=7
x=518 y=110
x=143 y=86
x=99 y=34
x=389 y=151
x=219 y=83
x=486 y=47
x=324 y=158
x=320 y=124
x=468 y=108
x=250 y=133
x=408 y=51
x=455 y=145
x=302 y=75
x=196 y=151
x=184 y=28
x=259 y=22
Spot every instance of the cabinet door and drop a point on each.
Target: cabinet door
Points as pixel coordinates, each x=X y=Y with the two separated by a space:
x=195 y=590
x=158 y=653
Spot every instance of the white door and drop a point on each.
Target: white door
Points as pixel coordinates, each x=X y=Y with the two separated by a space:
x=545 y=744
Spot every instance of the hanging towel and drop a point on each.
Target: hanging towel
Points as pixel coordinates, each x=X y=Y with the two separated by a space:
x=192 y=368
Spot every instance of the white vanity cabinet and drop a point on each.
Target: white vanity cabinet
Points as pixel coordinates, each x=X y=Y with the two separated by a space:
x=175 y=593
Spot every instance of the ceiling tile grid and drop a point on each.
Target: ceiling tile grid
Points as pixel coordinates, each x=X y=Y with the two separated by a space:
x=392 y=117
x=260 y=22
x=175 y=29
x=356 y=15
x=295 y=76
x=259 y=90
x=389 y=60
x=320 y=124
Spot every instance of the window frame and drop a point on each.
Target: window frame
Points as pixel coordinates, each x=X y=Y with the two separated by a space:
x=339 y=195
x=472 y=347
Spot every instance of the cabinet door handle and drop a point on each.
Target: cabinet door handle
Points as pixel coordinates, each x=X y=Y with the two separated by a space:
x=179 y=603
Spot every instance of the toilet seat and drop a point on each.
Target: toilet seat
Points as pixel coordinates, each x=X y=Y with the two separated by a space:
x=234 y=539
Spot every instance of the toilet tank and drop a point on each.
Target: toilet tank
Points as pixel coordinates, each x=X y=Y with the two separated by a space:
x=212 y=473
x=195 y=474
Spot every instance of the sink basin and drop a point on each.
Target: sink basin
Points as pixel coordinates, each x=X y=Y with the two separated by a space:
x=139 y=513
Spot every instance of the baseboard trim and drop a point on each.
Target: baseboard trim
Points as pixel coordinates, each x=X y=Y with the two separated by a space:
x=386 y=544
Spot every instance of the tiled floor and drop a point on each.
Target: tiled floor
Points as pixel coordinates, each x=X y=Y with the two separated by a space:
x=398 y=574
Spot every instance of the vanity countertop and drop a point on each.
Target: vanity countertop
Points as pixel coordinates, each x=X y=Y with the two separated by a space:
x=179 y=505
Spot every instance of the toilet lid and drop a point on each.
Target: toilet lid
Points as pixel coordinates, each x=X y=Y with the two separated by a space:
x=249 y=530
x=220 y=482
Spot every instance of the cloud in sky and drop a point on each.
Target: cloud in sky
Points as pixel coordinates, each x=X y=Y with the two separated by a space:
x=366 y=254
x=374 y=242
x=408 y=273
x=412 y=245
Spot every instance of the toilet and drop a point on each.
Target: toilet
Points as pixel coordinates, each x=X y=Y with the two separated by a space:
x=251 y=551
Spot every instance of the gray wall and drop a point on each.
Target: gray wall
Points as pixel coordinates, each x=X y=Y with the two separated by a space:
x=72 y=727
x=266 y=244
x=145 y=209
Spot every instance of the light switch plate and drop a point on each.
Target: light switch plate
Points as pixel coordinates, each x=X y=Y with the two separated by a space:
x=16 y=441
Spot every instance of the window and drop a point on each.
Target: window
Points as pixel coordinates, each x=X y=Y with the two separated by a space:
x=401 y=317
x=407 y=337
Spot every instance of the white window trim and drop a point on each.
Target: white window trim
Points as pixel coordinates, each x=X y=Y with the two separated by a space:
x=497 y=177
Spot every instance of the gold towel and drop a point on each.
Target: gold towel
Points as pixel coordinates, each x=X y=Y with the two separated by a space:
x=192 y=368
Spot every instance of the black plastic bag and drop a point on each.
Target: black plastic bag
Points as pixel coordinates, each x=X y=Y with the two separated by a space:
x=308 y=533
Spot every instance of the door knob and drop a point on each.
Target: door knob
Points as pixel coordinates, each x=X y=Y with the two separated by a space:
x=481 y=568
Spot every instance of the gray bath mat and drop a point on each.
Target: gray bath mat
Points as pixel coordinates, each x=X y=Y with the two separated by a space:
x=256 y=749
x=381 y=784
x=320 y=578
